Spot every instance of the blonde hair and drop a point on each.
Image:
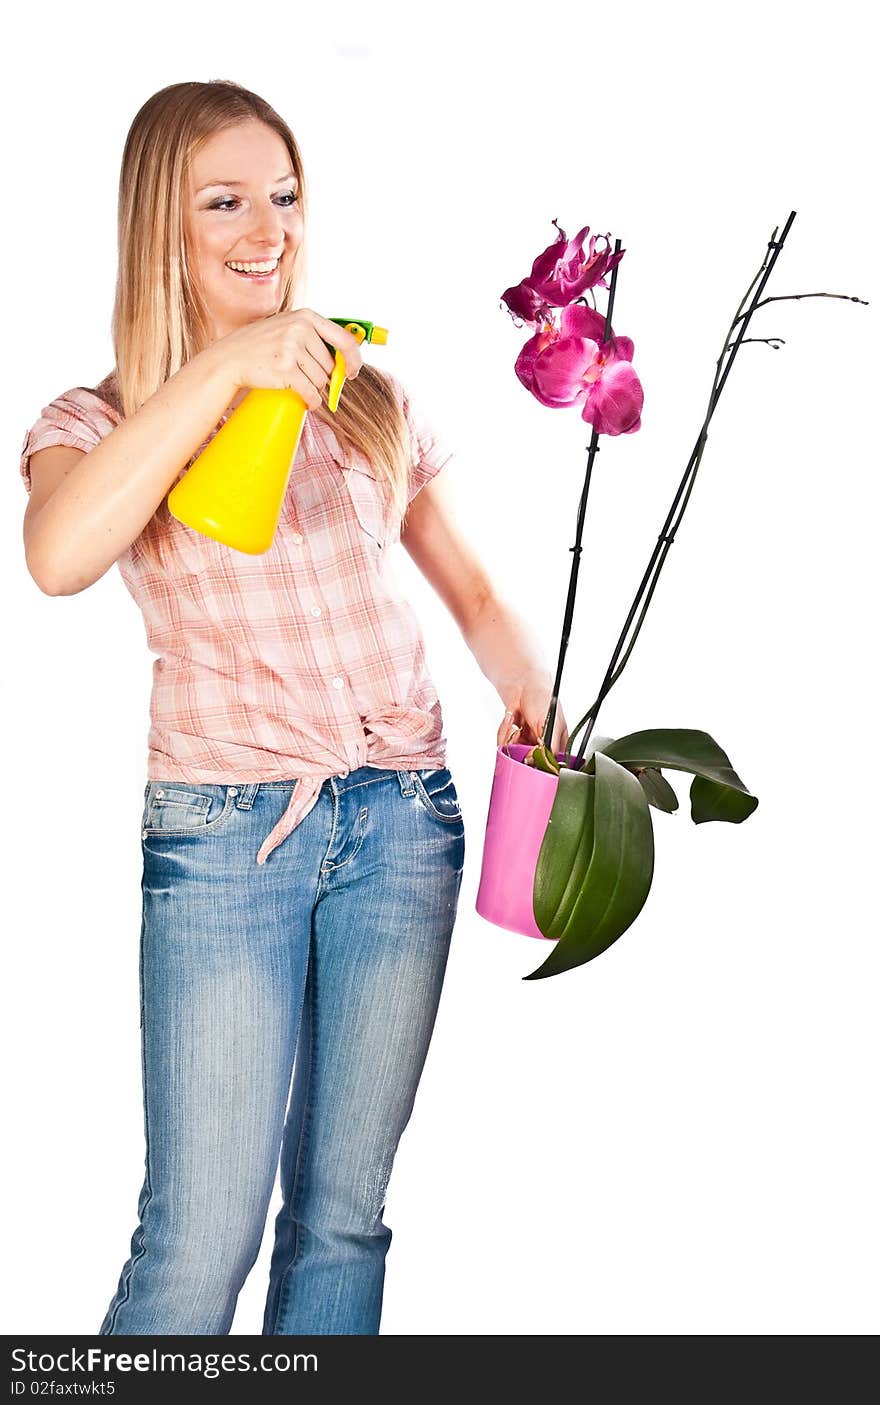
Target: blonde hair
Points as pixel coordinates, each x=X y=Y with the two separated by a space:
x=160 y=320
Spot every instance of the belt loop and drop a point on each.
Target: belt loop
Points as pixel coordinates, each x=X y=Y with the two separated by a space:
x=246 y=795
x=407 y=786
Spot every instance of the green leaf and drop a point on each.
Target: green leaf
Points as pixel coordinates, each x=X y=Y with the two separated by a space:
x=595 y=865
x=658 y=791
x=543 y=760
x=682 y=749
x=597 y=743
x=710 y=801
x=593 y=745
x=566 y=851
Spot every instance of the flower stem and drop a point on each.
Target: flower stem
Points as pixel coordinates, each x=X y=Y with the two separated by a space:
x=670 y=526
x=547 y=733
x=775 y=342
x=789 y=297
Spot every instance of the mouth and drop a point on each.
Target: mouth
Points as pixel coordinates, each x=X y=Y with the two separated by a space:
x=261 y=271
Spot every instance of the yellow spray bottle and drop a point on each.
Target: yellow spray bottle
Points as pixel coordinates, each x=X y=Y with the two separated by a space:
x=234 y=490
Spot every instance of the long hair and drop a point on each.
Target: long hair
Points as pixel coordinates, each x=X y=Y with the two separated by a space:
x=160 y=320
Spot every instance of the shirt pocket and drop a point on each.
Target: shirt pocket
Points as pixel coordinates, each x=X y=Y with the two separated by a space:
x=367 y=496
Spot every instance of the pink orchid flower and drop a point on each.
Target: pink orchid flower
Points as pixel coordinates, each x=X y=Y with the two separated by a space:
x=560 y=274
x=572 y=365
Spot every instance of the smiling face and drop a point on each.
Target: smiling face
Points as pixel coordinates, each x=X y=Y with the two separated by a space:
x=242 y=208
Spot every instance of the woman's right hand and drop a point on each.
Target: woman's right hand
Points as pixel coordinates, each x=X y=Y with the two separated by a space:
x=286 y=351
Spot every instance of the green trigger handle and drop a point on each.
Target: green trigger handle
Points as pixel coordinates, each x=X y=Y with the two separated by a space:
x=361 y=330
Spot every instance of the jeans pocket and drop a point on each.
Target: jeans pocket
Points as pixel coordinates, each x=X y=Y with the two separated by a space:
x=185 y=807
x=437 y=794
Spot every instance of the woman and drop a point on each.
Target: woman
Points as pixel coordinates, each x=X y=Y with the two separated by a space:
x=303 y=842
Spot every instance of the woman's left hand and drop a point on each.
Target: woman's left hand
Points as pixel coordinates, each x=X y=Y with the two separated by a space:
x=527 y=699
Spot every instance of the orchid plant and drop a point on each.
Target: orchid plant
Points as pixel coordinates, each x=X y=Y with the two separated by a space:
x=596 y=862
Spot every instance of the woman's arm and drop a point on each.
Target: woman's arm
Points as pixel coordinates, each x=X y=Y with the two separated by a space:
x=85 y=509
x=506 y=651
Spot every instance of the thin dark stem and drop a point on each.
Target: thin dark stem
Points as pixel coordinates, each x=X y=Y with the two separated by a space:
x=647 y=588
x=667 y=535
x=775 y=342
x=789 y=297
x=547 y=733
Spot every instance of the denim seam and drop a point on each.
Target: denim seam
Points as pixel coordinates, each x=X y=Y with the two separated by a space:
x=374 y=780
x=330 y=842
x=360 y=839
x=200 y=803
x=137 y=1258
x=309 y=994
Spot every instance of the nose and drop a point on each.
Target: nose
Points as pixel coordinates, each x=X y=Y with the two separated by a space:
x=268 y=226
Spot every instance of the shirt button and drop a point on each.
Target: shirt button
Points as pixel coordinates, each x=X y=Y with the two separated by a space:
x=316 y=610
x=296 y=537
x=338 y=682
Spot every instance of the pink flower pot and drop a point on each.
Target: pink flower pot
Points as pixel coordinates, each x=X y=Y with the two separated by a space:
x=519 y=808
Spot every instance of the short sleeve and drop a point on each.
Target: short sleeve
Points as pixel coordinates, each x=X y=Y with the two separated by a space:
x=430 y=452
x=78 y=418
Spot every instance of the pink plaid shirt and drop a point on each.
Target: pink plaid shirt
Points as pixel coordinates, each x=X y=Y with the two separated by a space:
x=301 y=663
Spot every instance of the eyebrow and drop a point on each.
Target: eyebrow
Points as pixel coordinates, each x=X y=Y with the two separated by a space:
x=287 y=176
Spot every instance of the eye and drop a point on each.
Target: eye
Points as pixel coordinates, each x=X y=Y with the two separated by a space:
x=230 y=201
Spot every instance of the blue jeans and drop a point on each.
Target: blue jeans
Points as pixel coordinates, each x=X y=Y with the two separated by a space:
x=335 y=950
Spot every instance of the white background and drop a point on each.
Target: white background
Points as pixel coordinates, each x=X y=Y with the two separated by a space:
x=680 y=1137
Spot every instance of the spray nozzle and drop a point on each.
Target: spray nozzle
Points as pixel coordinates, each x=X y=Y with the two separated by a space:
x=361 y=330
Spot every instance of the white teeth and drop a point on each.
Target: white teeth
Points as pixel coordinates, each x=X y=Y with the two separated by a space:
x=266 y=267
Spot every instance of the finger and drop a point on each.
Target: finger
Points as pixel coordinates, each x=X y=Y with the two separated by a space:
x=320 y=356
x=508 y=729
x=343 y=341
